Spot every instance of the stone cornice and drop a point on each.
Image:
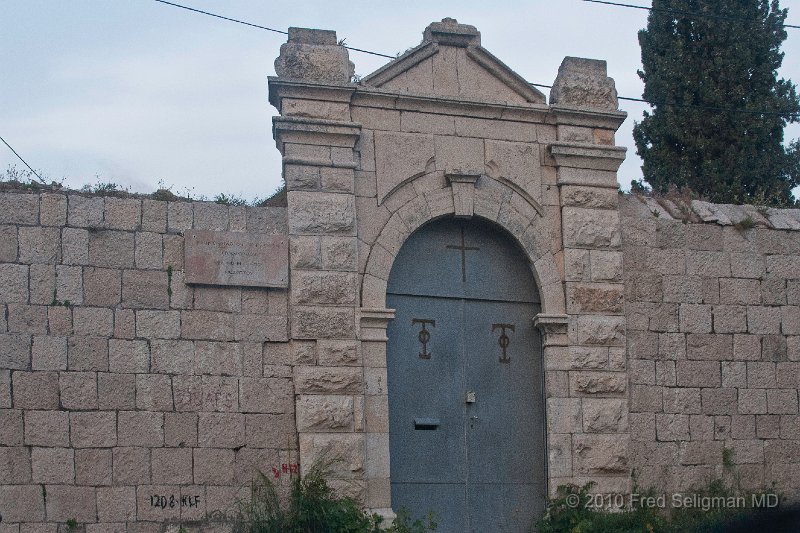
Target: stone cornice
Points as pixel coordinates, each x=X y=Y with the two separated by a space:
x=280 y=88
x=553 y=328
x=373 y=322
x=303 y=130
x=581 y=116
x=588 y=156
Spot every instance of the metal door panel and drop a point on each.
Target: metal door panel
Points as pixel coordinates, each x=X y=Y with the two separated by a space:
x=422 y=388
x=480 y=465
x=505 y=440
x=462 y=259
x=446 y=501
x=506 y=507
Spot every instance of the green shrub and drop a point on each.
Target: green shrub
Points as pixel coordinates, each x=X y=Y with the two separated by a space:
x=314 y=507
x=573 y=511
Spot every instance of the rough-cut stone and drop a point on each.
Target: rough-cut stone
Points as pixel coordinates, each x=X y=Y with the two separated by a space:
x=600 y=454
x=323 y=322
x=584 y=83
x=312 y=213
x=314 y=55
x=598 y=383
x=328 y=380
x=325 y=413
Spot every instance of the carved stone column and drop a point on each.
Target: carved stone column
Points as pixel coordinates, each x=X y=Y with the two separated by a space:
x=588 y=415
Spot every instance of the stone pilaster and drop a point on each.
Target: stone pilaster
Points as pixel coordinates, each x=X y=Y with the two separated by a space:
x=316 y=137
x=587 y=397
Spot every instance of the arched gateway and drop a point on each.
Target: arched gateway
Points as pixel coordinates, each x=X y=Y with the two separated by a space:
x=464 y=361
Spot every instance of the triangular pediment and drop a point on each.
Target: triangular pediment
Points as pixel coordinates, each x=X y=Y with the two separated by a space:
x=450 y=62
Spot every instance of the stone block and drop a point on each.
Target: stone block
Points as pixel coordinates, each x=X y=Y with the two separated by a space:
x=22 y=503
x=730 y=319
x=790 y=322
x=323 y=287
x=600 y=454
x=350 y=447
x=187 y=393
x=601 y=330
x=15 y=351
x=672 y=427
x=683 y=289
x=270 y=431
x=11 y=429
x=752 y=401
x=128 y=355
x=8 y=244
x=112 y=249
x=158 y=324
x=180 y=429
x=141 y=428
x=265 y=395
x=709 y=346
x=597 y=383
x=47 y=428
x=698 y=373
x=761 y=375
x=93 y=429
x=5 y=388
x=75 y=246
x=53 y=465
x=93 y=466
x=767 y=426
x=220 y=393
x=65 y=502
x=328 y=380
x=666 y=374
x=78 y=390
x=323 y=322
x=19 y=208
x=13 y=283
x=735 y=291
x=98 y=321
x=145 y=289
x=312 y=213
x=116 y=504
x=213 y=466
x=605 y=415
x=591 y=228
x=15 y=464
x=171 y=465
x=69 y=285
x=27 y=318
x=153 y=392
x=695 y=318
x=782 y=401
x=221 y=430
x=719 y=401
x=219 y=358
x=87 y=353
x=228 y=299
x=700 y=452
x=594 y=298
x=154 y=216
x=173 y=357
x=35 y=390
x=149 y=252
x=208 y=325
x=39 y=245
x=102 y=286
x=681 y=400
x=783 y=266
x=338 y=353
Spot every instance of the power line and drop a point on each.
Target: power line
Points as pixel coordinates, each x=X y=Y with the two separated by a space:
x=20 y=158
x=681 y=13
x=693 y=106
x=708 y=108
x=258 y=26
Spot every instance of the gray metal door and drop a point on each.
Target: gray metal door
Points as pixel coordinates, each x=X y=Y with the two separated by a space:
x=466 y=414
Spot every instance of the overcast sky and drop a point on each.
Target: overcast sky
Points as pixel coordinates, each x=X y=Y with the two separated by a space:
x=138 y=92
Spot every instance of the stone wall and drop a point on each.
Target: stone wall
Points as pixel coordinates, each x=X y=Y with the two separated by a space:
x=712 y=300
x=126 y=395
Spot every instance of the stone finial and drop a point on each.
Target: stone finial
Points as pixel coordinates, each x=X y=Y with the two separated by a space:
x=450 y=32
x=314 y=55
x=583 y=83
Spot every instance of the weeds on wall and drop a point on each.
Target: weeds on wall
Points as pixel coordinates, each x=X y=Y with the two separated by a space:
x=314 y=507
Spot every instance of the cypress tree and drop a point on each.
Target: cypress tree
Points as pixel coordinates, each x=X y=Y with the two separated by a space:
x=696 y=69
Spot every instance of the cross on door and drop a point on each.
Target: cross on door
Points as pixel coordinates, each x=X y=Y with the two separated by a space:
x=463 y=249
